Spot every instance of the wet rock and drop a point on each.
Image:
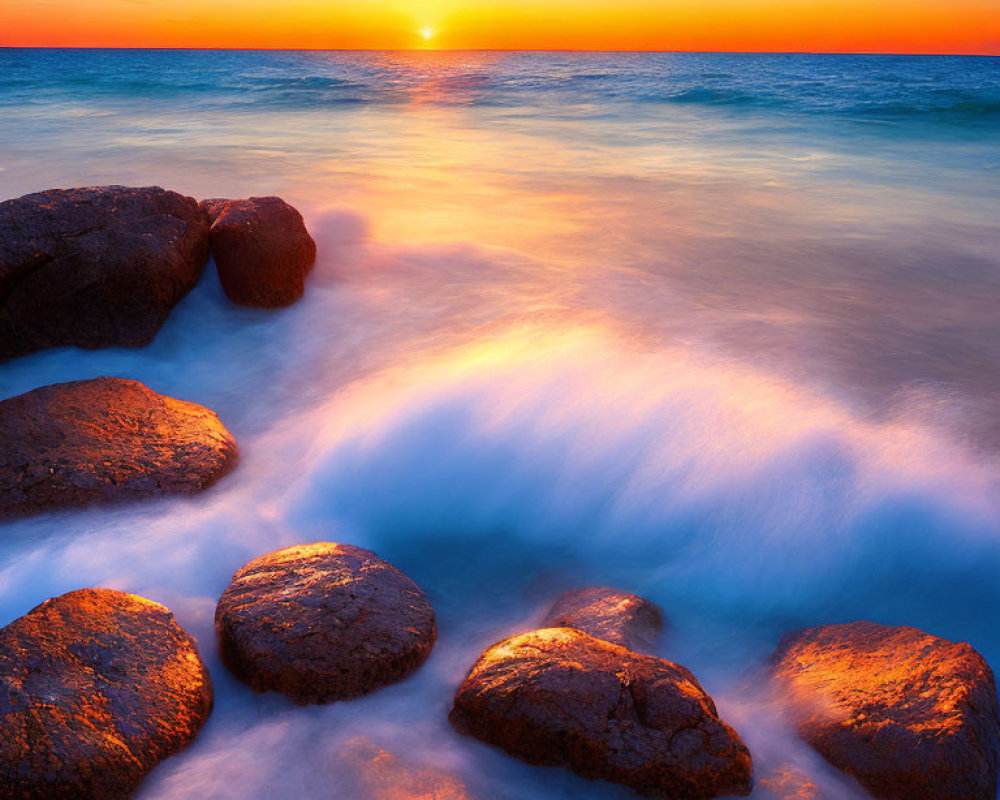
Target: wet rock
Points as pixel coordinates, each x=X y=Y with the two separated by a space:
x=95 y=267
x=105 y=439
x=323 y=622
x=788 y=783
x=905 y=713
x=262 y=250
x=560 y=697
x=366 y=770
x=617 y=617
x=96 y=688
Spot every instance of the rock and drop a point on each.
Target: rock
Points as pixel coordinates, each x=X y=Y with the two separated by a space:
x=105 y=439
x=262 y=250
x=617 y=617
x=96 y=688
x=366 y=770
x=323 y=622
x=560 y=697
x=786 y=782
x=95 y=267
x=905 y=713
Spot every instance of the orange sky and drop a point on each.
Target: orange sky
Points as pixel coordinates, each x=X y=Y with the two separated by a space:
x=910 y=26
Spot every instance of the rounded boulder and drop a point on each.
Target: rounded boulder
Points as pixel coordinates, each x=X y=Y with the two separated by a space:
x=105 y=439
x=323 y=622
x=96 y=688
x=559 y=697
x=905 y=713
x=96 y=266
x=262 y=250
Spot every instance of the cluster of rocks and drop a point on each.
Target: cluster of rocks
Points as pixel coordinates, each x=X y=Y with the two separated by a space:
x=577 y=696
x=99 y=686
x=103 y=266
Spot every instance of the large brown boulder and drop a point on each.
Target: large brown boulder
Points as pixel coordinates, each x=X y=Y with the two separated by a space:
x=262 y=250
x=609 y=614
x=323 y=622
x=105 y=439
x=905 y=713
x=95 y=267
x=559 y=697
x=96 y=688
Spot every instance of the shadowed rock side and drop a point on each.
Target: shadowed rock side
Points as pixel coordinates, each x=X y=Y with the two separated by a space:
x=617 y=617
x=905 y=713
x=323 y=622
x=262 y=250
x=559 y=697
x=105 y=439
x=367 y=771
x=95 y=267
x=96 y=688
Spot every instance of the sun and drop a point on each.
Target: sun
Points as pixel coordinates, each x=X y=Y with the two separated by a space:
x=427 y=33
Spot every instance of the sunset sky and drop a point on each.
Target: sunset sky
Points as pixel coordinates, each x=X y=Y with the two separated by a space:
x=901 y=26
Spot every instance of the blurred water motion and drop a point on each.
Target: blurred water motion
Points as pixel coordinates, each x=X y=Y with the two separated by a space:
x=719 y=330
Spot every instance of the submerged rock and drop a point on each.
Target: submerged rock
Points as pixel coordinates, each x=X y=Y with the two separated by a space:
x=262 y=250
x=560 y=697
x=323 y=622
x=905 y=713
x=614 y=616
x=366 y=770
x=786 y=782
x=95 y=267
x=105 y=439
x=96 y=688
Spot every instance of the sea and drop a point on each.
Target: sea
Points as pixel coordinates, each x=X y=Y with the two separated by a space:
x=722 y=330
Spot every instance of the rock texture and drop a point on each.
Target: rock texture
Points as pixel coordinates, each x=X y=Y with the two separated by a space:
x=96 y=688
x=905 y=713
x=95 y=267
x=105 y=439
x=323 y=622
x=617 y=617
x=366 y=770
x=560 y=697
x=262 y=250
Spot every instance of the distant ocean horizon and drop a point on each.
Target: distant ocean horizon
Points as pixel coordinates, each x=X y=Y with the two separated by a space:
x=718 y=329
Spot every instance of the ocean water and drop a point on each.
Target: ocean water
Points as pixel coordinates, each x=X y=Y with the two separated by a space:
x=721 y=330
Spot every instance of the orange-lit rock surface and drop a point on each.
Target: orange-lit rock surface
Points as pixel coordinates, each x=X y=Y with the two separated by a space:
x=905 y=713
x=262 y=250
x=96 y=266
x=323 y=622
x=105 y=439
x=608 y=614
x=96 y=688
x=787 y=783
x=560 y=697
x=368 y=771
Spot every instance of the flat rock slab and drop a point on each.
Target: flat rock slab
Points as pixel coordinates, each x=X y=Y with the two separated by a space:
x=96 y=688
x=609 y=614
x=262 y=250
x=95 y=267
x=105 y=439
x=905 y=713
x=559 y=697
x=323 y=622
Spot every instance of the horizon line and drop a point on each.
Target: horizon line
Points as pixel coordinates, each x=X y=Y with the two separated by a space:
x=502 y=50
